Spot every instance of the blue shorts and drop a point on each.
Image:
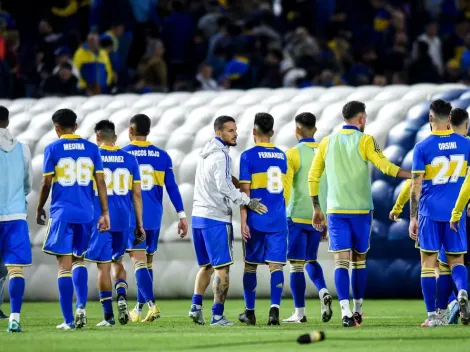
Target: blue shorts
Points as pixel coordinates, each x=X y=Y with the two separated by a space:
x=63 y=238
x=106 y=246
x=302 y=242
x=349 y=232
x=213 y=245
x=15 y=246
x=150 y=245
x=265 y=247
x=434 y=235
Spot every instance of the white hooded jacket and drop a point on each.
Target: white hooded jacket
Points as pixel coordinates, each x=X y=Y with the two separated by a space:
x=214 y=190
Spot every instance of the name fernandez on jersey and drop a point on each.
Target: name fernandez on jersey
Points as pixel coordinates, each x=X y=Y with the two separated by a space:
x=271 y=155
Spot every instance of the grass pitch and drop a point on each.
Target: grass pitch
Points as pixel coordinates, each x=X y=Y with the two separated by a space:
x=389 y=325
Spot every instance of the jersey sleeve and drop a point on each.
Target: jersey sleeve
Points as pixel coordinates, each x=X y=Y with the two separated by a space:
x=317 y=168
x=293 y=165
x=418 y=161
x=97 y=162
x=370 y=151
x=49 y=165
x=462 y=200
x=403 y=198
x=245 y=174
x=135 y=171
x=172 y=187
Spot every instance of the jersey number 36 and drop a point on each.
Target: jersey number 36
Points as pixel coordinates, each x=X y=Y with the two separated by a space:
x=78 y=171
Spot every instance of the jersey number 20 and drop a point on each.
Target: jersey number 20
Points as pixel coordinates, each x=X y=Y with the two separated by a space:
x=445 y=164
x=275 y=184
x=117 y=182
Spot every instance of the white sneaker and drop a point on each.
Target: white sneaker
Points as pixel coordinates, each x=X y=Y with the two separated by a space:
x=105 y=323
x=295 y=319
x=222 y=321
x=442 y=316
x=80 y=318
x=65 y=326
x=196 y=315
x=464 y=307
x=432 y=322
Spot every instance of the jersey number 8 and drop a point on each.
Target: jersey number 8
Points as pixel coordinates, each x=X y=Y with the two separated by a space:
x=117 y=182
x=445 y=164
x=79 y=171
x=275 y=184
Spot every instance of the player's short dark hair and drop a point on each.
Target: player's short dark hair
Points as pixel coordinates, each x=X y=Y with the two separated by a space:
x=306 y=119
x=352 y=108
x=440 y=108
x=106 y=128
x=264 y=122
x=65 y=118
x=4 y=113
x=458 y=117
x=141 y=124
x=221 y=121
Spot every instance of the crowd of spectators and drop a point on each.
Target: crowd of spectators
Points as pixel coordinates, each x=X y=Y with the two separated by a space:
x=70 y=47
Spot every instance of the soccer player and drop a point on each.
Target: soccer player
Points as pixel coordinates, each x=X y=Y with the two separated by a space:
x=303 y=239
x=262 y=173
x=122 y=177
x=156 y=170
x=214 y=190
x=344 y=156
x=71 y=166
x=15 y=246
x=459 y=124
x=439 y=168
x=3 y=277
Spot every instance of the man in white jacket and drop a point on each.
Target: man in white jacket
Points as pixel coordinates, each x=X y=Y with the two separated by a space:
x=214 y=192
x=15 y=184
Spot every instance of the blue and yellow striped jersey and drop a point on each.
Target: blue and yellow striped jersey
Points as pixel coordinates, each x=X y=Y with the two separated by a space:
x=121 y=171
x=264 y=167
x=443 y=159
x=156 y=171
x=73 y=162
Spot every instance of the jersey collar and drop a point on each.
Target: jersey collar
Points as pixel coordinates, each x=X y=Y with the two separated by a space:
x=349 y=127
x=141 y=143
x=307 y=140
x=221 y=141
x=70 y=136
x=269 y=145
x=442 y=133
x=107 y=147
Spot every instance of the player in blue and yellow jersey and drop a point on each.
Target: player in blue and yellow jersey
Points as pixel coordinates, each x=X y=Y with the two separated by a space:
x=156 y=170
x=262 y=173
x=71 y=165
x=439 y=168
x=122 y=177
x=303 y=239
x=344 y=156
x=459 y=124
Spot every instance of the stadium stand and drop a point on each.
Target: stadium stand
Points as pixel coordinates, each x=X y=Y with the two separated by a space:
x=182 y=124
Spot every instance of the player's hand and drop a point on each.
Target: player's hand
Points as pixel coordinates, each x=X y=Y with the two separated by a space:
x=41 y=217
x=256 y=205
x=246 y=235
x=394 y=216
x=183 y=228
x=139 y=234
x=454 y=226
x=104 y=223
x=413 y=229
x=318 y=221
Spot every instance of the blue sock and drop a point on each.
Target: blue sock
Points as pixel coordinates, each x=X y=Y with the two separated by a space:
x=315 y=272
x=277 y=284
x=460 y=276
x=197 y=300
x=358 y=279
x=106 y=299
x=298 y=285
x=144 y=282
x=80 y=283
x=429 y=286
x=65 y=284
x=121 y=288
x=16 y=290
x=342 y=279
x=249 y=288
x=217 y=309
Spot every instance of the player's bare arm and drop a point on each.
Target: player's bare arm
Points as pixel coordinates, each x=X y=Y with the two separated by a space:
x=46 y=185
x=235 y=182
x=103 y=222
x=416 y=185
x=245 y=188
x=318 y=220
x=137 y=202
